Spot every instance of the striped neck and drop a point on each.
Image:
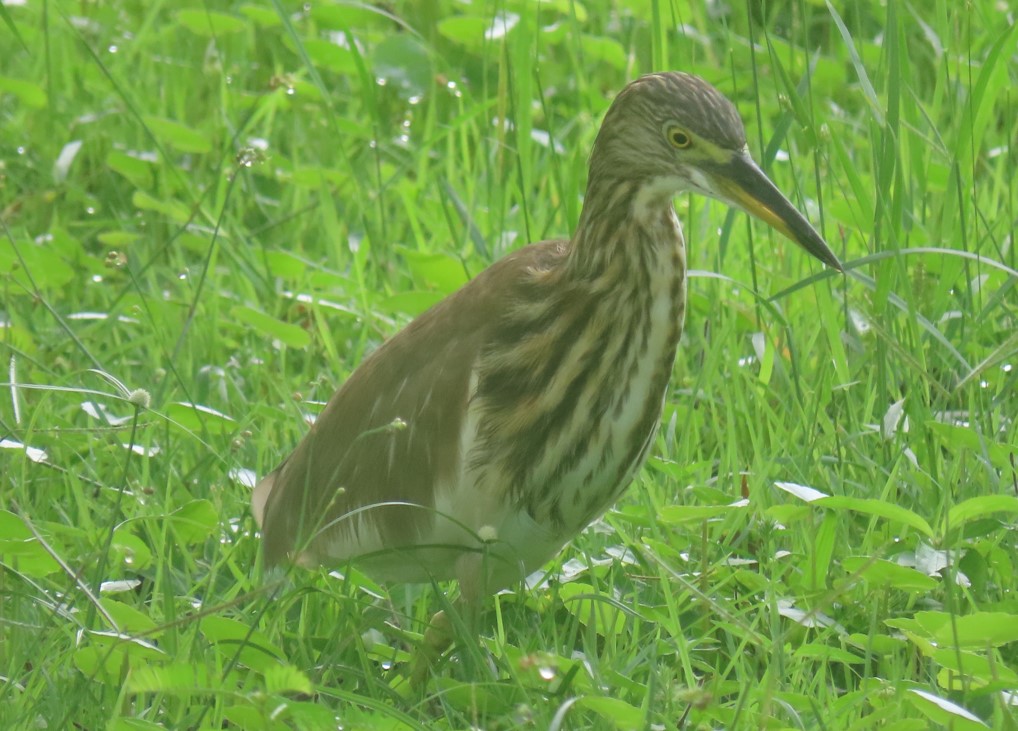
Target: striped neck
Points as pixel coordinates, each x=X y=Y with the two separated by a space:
x=625 y=225
x=573 y=384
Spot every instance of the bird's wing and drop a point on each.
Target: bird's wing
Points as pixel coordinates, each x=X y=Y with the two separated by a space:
x=391 y=433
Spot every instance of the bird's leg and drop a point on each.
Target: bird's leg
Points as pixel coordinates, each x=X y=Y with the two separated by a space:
x=437 y=639
x=442 y=629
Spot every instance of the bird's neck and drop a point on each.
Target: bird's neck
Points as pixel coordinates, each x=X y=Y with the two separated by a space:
x=625 y=226
x=593 y=405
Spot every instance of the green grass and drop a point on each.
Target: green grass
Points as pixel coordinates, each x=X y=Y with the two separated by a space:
x=173 y=176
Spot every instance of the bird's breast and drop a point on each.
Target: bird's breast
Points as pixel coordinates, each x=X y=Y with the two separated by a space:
x=547 y=448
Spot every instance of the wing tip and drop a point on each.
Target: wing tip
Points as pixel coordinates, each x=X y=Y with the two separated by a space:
x=260 y=497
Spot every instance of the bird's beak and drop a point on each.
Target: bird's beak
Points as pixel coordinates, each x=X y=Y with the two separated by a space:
x=742 y=183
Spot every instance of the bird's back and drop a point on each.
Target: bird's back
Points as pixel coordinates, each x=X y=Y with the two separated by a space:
x=371 y=473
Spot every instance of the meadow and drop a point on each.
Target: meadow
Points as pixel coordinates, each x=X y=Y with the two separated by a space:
x=211 y=211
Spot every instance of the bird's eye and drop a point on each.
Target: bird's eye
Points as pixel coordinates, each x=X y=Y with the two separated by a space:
x=678 y=137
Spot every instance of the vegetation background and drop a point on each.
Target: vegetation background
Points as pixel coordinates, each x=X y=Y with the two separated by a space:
x=210 y=211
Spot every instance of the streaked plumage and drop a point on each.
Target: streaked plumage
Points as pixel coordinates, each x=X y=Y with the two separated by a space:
x=480 y=439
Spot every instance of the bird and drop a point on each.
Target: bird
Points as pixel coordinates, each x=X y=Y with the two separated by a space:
x=479 y=440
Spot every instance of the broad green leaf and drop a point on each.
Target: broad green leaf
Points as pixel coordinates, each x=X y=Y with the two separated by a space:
x=249 y=717
x=889 y=574
x=441 y=271
x=979 y=630
x=228 y=635
x=601 y=615
x=677 y=470
x=954 y=437
x=13 y=531
x=101 y=664
x=172 y=209
x=826 y=653
x=194 y=521
x=315 y=715
x=134 y=647
x=173 y=678
x=209 y=23
x=20 y=550
x=788 y=514
x=263 y=16
x=877 y=508
x=22 y=339
x=404 y=63
x=409 y=303
x=468 y=30
x=31 y=95
x=944 y=712
x=285 y=264
x=48 y=269
x=969 y=667
x=877 y=642
x=754 y=581
x=293 y=336
x=129 y=619
x=672 y=514
x=570 y=8
x=344 y=16
x=104 y=655
x=981 y=507
x=616 y=711
x=196 y=417
x=281 y=679
x=329 y=56
x=131 y=551
x=137 y=170
x=177 y=135
x=602 y=49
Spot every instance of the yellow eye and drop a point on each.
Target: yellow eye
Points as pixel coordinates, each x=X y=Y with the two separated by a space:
x=678 y=137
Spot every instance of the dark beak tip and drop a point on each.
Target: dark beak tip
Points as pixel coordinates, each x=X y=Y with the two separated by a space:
x=829 y=258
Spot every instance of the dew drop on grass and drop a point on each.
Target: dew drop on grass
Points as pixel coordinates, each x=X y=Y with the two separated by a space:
x=546 y=673
x=21 y=150
x=1006 y=368
x=113 y=49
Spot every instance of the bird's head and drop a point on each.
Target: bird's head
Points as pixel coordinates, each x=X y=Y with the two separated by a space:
x=673 y=132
